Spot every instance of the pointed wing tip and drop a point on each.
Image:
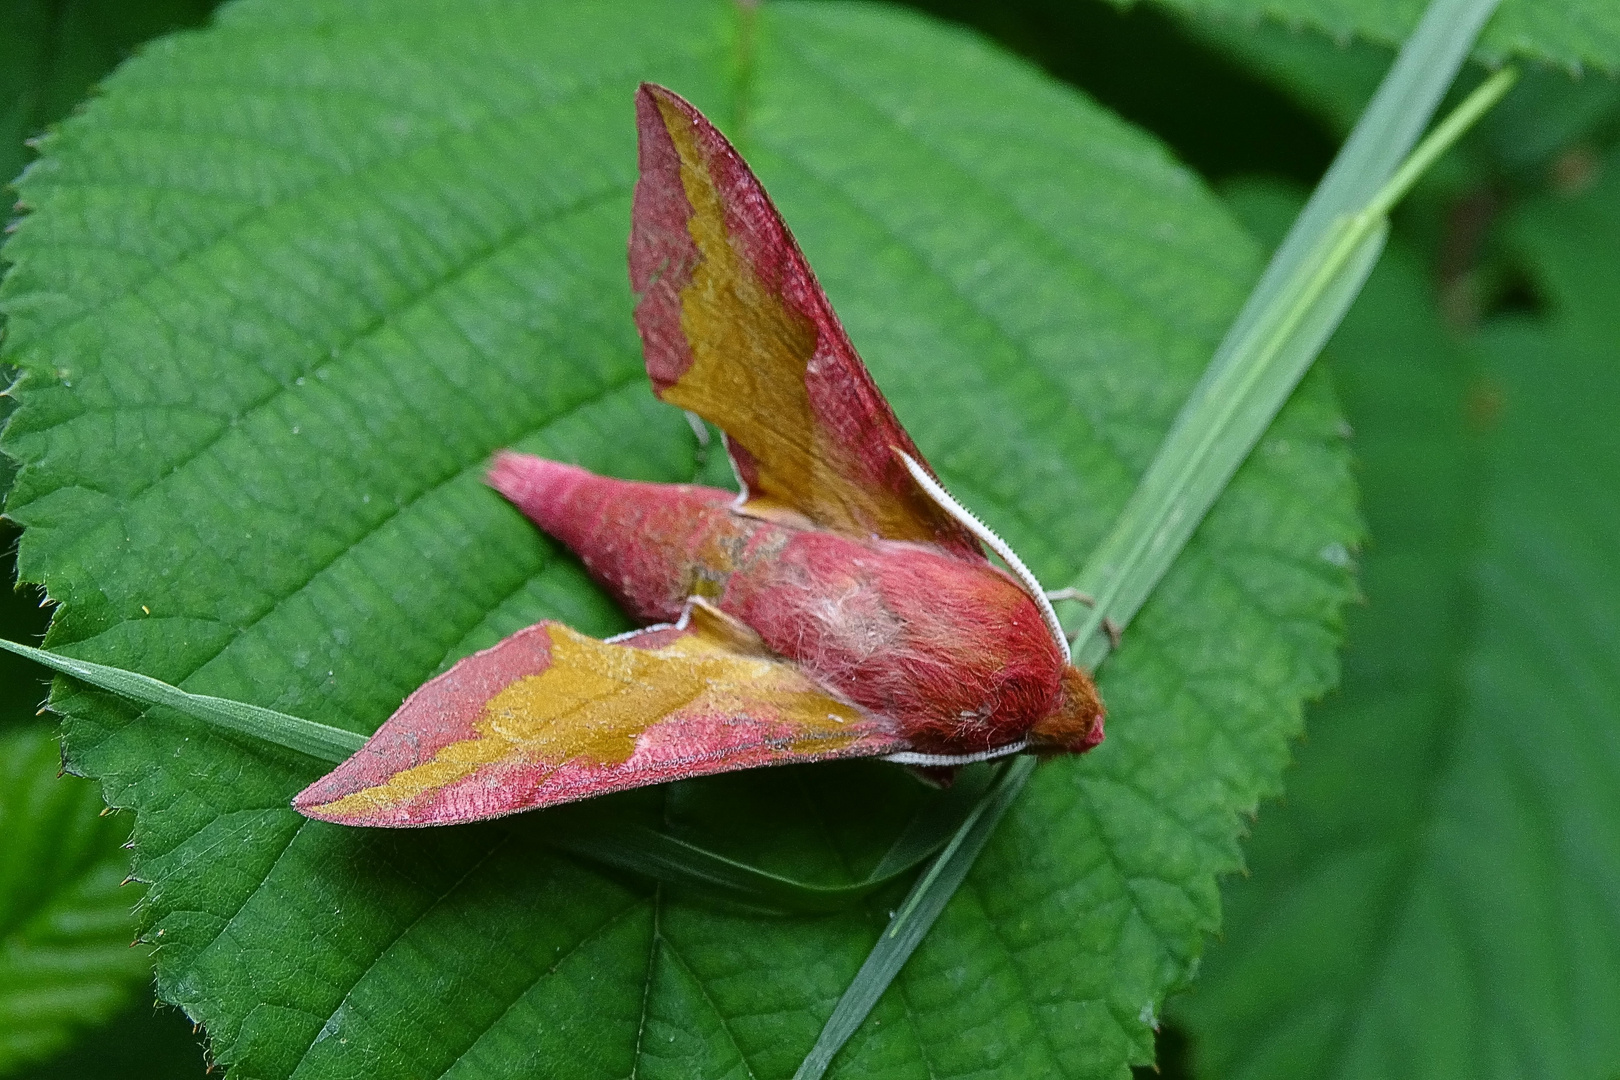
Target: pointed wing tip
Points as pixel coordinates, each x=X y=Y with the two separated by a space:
x=653 y=103
x=318 y=806
x=320 y=799
x=439 y=713
x=315 y=809
x=325 y=800
x=324 y=812
x=651 y=92
x=648 y=97
x=349 y=796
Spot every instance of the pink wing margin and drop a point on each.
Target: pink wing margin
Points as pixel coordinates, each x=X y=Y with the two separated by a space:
x=448 y=710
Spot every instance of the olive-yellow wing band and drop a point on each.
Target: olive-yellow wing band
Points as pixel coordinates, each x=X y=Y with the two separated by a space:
x=549 y=716
x=737 y=329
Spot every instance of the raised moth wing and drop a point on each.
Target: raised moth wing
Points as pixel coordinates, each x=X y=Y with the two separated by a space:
x=736 y=329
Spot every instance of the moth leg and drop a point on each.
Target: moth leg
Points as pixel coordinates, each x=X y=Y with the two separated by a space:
x=701 y=431
x=1111 y=628
x=935 y=776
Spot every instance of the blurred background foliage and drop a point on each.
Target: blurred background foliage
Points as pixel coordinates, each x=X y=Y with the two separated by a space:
x=1472 y=367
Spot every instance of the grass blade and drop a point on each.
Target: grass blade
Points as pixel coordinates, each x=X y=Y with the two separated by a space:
x=1228 y=412
x=1254 y=371
x=319 y=741
x=1386 y=132
x=1299 y=300
x=1309 y=284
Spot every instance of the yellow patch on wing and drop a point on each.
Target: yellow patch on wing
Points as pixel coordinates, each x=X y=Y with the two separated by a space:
x=596 y=698
x=750 y=353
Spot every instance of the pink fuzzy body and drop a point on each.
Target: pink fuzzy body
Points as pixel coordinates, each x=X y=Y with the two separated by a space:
x=951 y=649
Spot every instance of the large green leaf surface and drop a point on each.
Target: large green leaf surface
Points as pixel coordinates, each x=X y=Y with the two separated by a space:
x=286 y=285
x=1569 y=33
x=1440 y=896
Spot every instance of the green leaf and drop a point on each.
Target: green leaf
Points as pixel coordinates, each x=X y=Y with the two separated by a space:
x=1570 y=33
x=287 y=284
x=1440 y=895
x=65 y=926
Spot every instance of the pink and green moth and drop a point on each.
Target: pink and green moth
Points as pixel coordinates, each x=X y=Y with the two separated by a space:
x=841 y=606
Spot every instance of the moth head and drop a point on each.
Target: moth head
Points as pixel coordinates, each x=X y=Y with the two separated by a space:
x=1076 y=725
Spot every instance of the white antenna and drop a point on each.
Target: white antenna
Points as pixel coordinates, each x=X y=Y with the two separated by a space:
x=972 y=524
x=910 y=757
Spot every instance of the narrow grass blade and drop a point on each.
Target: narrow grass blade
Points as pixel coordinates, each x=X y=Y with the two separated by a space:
x=318 y=741
x=1246 y=384
x=651 y=853
x=1386 y=132
x=936 y=823
x=1223 y=420
x=1311 y=281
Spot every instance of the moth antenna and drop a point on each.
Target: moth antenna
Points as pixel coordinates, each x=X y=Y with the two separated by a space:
x=742 y=485
x=699 y=428
x=911 y=757
x=972 y=524
x=630 y=635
